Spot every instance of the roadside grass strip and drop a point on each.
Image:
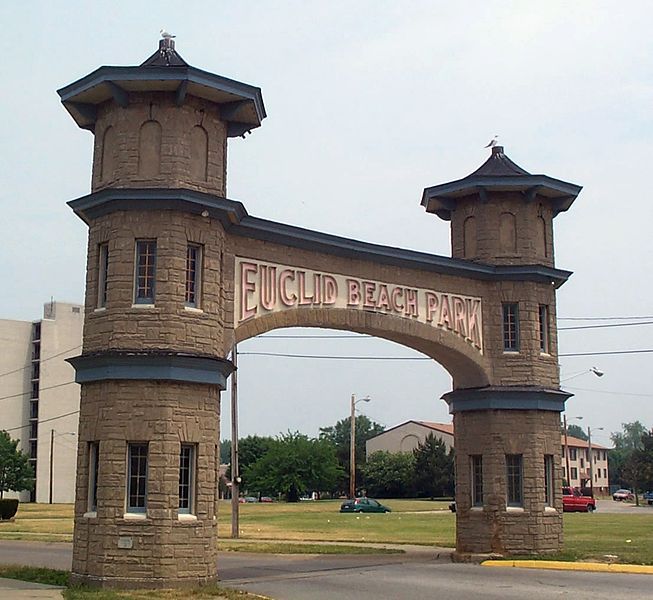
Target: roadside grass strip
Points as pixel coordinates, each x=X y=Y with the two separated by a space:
x=571 y=566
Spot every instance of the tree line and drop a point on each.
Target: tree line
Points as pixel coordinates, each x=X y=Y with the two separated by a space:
x=293 y=464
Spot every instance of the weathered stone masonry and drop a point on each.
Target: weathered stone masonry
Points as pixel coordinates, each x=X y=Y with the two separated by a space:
x=152 y=367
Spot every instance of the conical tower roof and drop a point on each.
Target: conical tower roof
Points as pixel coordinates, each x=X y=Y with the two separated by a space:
x=241 y=105
x=499 y=174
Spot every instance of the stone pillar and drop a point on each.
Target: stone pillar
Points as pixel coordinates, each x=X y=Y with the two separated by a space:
x=507 y=435
x=153 y=361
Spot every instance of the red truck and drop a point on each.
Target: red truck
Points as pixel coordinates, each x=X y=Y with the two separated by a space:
x=574 y=501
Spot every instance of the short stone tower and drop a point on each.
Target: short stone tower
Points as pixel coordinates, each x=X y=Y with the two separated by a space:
x=153 y=365
x=508 y=442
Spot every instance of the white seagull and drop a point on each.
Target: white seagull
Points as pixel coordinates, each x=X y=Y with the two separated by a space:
x=493 y=142
x=165 y=35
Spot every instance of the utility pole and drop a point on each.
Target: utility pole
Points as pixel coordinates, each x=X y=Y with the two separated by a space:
x=564 y=417
x=51 y=462
x=235 y=475
x=352 y=449
x=589 y=449
x=352 y=444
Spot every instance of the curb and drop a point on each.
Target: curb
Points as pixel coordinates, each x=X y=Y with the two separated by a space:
x=571 y=566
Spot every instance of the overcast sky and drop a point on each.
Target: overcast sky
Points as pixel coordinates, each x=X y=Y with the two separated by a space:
x=368 y=102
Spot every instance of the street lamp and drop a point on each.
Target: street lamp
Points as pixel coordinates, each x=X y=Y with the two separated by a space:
x=596 y=372
x=352 y=444
x=52 y=434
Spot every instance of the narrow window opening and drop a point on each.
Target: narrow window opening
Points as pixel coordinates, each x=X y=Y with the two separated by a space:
x=186 y=478
x=93 y=468
x=145 y=271
x=137 y=478
x=511 y=327
x=514 y=473
x=193 y=275
x=548 y=480
x=477 y=480
x=544 y=329
x=103 y=270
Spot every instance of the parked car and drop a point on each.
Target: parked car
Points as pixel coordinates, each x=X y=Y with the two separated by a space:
x=648 y=496
x=247 y=499
x=621 y=495
x=363 y=505
x=574 y=501
x=266 y=499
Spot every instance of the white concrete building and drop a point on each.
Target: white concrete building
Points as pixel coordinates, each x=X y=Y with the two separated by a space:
x=39 y=398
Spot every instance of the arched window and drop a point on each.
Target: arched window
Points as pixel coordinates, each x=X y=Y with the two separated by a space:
x=469 y=237
x=199 y=153
x=149 y=150
x=540 y=239
x=409 y=443
x=507 y=233
x=107 y=159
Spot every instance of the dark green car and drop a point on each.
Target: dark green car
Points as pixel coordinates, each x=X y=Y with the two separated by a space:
x=363 y=505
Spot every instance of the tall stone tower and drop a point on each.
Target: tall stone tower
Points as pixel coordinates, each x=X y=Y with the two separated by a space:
x=152 y=365
x=508 y=442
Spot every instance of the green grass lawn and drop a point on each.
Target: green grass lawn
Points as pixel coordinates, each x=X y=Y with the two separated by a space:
x=629 y=537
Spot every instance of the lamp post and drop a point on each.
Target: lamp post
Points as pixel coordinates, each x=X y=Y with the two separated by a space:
x=598 y=373
x=52 y=434
x=235 y=476
x=352 y=444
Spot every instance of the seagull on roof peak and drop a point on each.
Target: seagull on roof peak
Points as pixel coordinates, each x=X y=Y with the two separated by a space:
x=165 y=35
x=493 y=142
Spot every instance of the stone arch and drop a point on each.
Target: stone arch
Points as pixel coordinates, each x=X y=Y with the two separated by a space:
x=199 y=153
x=409 y=442
x=466 y=365
x=149 y=149
x=107 y=158
x=469 y=237
x=507 y=233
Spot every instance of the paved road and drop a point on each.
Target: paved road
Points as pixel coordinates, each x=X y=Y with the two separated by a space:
x=373 y=577
x=612 y=507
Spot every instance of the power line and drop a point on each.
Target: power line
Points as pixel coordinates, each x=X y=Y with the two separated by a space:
x=43 y=421
x=646 y=317
x=43 y=389
x=607 y=353
x=604 y=325
x=335 y=357
x=609 y=392
x=29 y=366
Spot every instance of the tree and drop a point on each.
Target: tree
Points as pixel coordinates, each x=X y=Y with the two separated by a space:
x=625 y=443
x=576 y=431
x=294 y=463
x=340 y=436
x=434 y=474
x=16 y=474
x=251 y=449
x=389 y=475
x=225 y=451
x=638 y=465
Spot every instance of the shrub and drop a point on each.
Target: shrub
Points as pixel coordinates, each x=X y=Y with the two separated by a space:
x=8 y=508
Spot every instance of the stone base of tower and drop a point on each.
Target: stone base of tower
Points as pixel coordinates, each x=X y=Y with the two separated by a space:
x=497 y=449
x=161 y=543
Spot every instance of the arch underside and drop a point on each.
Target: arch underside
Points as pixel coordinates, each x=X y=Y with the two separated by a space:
x=466 y=365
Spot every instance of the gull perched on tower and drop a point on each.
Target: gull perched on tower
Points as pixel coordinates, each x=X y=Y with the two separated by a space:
x=493 y=142
x=165 y=35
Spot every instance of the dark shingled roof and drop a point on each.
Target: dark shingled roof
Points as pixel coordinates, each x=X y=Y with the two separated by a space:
x=498 y=165
x=499 y=174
